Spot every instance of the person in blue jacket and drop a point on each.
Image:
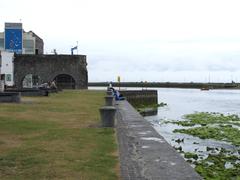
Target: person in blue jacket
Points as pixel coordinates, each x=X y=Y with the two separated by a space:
x=116 y=94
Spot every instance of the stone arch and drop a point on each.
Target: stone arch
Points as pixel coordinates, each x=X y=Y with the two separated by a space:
x=30 y=80
x=65 y=81
x=48 y=67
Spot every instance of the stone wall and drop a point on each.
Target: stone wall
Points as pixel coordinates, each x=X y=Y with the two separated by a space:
x=48 y=67
x=145 y=154
x=141 y=97
x=10 y=97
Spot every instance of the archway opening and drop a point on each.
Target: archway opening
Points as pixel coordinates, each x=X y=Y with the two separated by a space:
x=65 y=81
x=31 y=81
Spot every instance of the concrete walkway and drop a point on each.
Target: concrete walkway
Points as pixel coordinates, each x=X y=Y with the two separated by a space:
x=144 y=154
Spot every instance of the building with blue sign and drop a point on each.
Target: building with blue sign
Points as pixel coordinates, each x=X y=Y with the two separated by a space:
x=15 y=39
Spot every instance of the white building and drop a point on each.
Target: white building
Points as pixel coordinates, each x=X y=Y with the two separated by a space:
x=6 y=67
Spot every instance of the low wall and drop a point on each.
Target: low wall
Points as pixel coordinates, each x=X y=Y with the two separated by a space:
x=144 y=154
x=141 y=97
x=1 y=86
x=10 y=97
x=30 y=92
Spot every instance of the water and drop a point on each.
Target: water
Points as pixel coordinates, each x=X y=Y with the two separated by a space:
x=187 y=101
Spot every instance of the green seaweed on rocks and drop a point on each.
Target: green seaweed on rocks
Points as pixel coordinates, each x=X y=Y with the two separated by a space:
x=142 y=109
x=213 y=126
x=189 y=155
x=219 y=166
x=205 y=118
x=228 y=134
x=141 y=106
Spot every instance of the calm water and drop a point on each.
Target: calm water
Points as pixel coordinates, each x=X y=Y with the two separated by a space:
x=186 y=101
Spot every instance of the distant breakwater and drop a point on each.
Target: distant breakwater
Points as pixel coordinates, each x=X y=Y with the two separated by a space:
x=170 y=85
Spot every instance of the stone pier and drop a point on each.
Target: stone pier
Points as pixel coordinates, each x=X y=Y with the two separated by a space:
x=144 y=154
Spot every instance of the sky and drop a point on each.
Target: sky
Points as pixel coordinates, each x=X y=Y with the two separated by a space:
x=139 y=40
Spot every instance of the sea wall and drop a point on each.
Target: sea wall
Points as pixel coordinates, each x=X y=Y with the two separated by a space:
x=140 y=97
x=144 y=154
x=170 y=85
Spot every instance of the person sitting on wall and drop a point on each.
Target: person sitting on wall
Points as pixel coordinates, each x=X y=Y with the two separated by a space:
x=117 y=95
x=110 y=86
x=44 y=86
x=53 y=85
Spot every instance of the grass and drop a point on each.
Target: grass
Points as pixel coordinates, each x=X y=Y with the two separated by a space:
x=57 y=137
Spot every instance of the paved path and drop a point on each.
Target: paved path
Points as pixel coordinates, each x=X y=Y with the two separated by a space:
x=144 y=154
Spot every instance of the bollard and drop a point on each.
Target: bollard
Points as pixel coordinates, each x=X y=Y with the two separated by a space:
x=108 y=116
x=109 y=92
x=109 y=100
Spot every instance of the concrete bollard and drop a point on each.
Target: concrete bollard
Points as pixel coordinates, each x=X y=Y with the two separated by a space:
x=109 y=100
x=108 y=116
x=109 y=92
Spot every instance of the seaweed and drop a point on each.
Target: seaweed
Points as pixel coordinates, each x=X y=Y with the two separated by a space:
x=228 y=134
x=221 y=126
x=214 y=167
x=206 y=118
x=189 y=155
x=220 y=163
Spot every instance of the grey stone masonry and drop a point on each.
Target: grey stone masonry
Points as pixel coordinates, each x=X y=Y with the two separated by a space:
x=144 y=154
x=10 y=97
x=48 y=67
x=109 y=100
x=107 y=114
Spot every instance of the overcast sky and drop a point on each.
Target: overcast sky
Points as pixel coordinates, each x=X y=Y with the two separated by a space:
x=139 y=40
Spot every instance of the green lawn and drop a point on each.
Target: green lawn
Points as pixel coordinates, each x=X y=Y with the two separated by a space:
x=57 y=137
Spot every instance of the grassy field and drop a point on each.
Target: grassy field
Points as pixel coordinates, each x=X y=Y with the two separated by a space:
x=57 y=137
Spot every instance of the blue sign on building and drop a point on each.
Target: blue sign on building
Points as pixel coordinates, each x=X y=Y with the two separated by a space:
x=14 y=40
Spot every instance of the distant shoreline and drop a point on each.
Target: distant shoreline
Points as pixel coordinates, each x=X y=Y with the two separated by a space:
x=170 y=85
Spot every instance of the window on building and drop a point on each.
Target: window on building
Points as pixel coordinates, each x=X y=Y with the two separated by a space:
x=8 y=77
